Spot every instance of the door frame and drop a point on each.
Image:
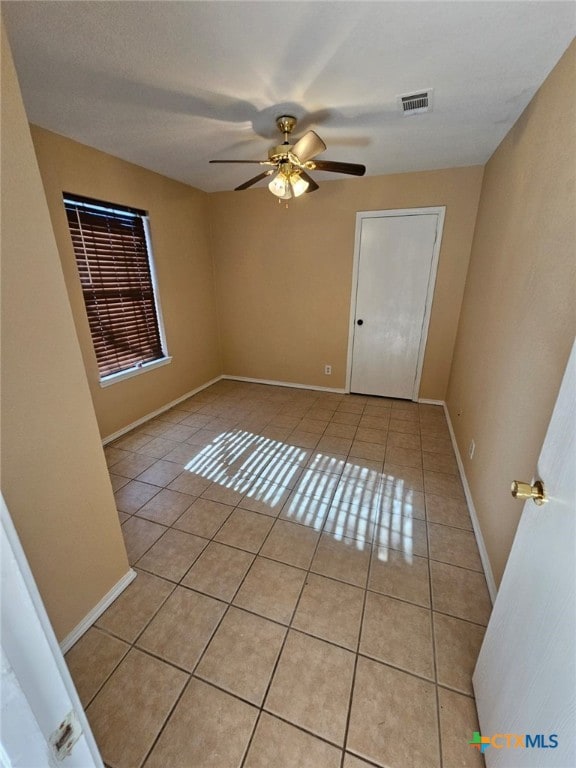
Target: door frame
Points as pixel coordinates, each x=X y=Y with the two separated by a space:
x=439 y=211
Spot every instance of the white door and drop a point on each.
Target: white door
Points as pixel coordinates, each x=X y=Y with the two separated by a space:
x=525 y=678
x=396 y=260
x=37 y=691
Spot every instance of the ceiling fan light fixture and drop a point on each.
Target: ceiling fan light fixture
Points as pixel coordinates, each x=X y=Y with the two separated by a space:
x=280 y=186
x=298 y=184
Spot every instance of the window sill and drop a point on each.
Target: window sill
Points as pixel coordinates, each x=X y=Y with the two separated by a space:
x=130 y=372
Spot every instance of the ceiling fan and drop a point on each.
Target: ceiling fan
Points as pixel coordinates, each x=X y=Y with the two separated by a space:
x=290 y=163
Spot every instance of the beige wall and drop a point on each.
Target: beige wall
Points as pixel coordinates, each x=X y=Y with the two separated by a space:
x=179 y=232
x=518 y=319
x=284 y=276
x=54 y=476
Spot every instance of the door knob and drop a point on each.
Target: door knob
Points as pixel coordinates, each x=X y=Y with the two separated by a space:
x=526 y=491
x=360 y=322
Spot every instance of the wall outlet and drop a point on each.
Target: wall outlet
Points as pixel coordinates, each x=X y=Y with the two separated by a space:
x=328 y=370
x=471 y=449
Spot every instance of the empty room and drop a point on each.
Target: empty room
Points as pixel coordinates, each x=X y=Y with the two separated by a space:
x=288 y=405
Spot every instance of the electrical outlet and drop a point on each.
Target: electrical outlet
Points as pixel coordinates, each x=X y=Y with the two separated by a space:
x=328 y=370
x=471 y=449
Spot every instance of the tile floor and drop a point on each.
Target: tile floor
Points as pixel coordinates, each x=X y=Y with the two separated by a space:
x=309 y=590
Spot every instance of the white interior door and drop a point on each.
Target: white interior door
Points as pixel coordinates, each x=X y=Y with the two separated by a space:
x=396 y=269
x=525 y=679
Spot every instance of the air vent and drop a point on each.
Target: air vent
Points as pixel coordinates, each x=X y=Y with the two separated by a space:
x=416 y=103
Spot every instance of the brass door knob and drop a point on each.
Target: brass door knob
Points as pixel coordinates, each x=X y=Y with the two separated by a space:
x=524 y=491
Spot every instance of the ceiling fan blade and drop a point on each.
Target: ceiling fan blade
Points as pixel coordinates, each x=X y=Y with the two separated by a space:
x=308 y=147
x=312 y=184
x=258 y=162
x=353 y=169
x=255 y=180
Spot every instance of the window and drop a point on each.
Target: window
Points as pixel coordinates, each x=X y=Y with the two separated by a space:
x=114 y=261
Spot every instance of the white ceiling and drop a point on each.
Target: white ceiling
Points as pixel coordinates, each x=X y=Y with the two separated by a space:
x=169 y=85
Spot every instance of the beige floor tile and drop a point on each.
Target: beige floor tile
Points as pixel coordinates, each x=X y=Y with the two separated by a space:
x=92 y=659
x=122 y=516
x=183 y=627
x=378 y=405
x=303 y=439
x=334 y=429
x=403 y=502
x=400 y=575
x=460 y=592
x=172 y=555
x=393 y=719
x=330 y=610
x=165 y=507
x=457 y=645
x=113 y=455
x=354 y=762
x=406 y=406
x=133 y=495
x=402 y=532
x=132 y=441
x=401 y=425
x=188 y=482
x=133 y=609
x=178 y=432
x=128 y=713
x=454 y=546
x=398 y=633
x=305 y=510
x=443 y=485
x=446 y=511
x=358 y=485
x=230 y=490
x=183 y=454
x=437 y=428
x=371 y=434
x=315 y=426
x=364 y=450
x=242 y=654
x=158 y=447
x=437 y=444
x=219 y=571
x=266 y=498
x=117 y=482
x=333 y=444
x=208 y=729
x=351 y=521
x=271 y=589
x=204 y=518
x=403 y=440
x=343 y=417
x=291 y=544
x=458 y=721
x=325 y=461
x=345 y=559
x=403 y=457
x=139 y=536
x=160 y=473
x=440 y=462
x=281 y=745
x=399 y=479
x=132 y=465
x=311 y=686
x=317 y=485
x=380 y=421
x=245 y=530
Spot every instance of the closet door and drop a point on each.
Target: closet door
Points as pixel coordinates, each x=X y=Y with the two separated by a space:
x=396 y=271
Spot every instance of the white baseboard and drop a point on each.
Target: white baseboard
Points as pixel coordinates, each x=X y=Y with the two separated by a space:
x=285 y=384
x=492 y=589
x=426 y=401
x=158 y=411
x=97 y=611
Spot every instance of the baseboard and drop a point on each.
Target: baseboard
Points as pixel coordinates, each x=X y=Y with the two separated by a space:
x=97 y=611
x=284 y=384
x=473 y=516
x=157 y=412
x=426 y=401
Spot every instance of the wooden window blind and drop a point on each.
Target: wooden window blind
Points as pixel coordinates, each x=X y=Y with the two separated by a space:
x=114 y=266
